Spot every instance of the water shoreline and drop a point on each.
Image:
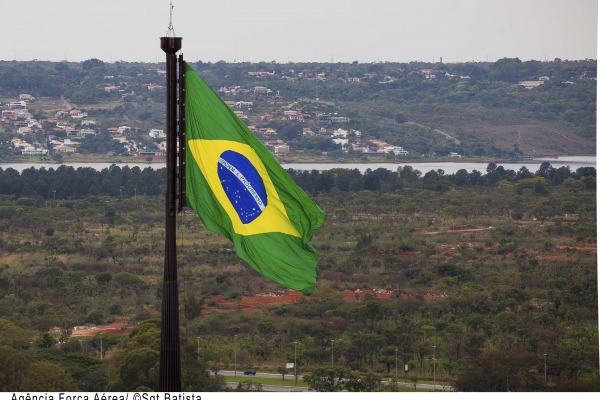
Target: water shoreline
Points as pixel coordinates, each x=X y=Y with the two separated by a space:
x=424 y=166
x=284 y=162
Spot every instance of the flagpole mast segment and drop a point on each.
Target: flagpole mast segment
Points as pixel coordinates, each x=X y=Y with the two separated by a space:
x=170 y=359
x=181 y=136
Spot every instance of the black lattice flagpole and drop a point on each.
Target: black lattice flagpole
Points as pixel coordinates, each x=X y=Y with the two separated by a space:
x=170 y=359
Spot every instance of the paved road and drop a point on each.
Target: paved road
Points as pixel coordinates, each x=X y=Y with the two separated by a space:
x=268 y=388
x=290 y=378
x=274 y=388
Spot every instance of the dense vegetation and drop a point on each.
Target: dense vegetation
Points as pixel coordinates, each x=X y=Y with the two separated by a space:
x=497 y=271
x=66 y=182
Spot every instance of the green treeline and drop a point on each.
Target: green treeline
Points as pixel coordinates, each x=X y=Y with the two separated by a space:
x=66 y=182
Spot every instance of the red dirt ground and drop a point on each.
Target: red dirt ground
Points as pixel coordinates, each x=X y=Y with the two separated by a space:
x=249 y=303
x=592 y=250
x=119 y=328
x=406 y=253
x=264 y=301
x=553 y=257
x=456 y=229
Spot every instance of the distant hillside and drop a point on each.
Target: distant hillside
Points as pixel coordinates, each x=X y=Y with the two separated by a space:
x=504 y=109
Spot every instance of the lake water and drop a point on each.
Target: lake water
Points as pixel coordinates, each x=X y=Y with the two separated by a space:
x=449 y=167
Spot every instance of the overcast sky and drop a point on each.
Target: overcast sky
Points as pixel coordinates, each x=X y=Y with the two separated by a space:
x=302 y=30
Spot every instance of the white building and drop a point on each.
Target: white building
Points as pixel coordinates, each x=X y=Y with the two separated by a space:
x=17 y=105
x=157 y=134
x=61 y=148
x=124 y=129
x=86 y=131
x=34 y=151
x=397 y=150
x=282 y=149
x=340 y=133
x=247 y=104
x=531 y=84
x=340 y=119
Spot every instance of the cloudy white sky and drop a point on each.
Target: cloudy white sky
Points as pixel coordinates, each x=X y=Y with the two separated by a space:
x=301 y=30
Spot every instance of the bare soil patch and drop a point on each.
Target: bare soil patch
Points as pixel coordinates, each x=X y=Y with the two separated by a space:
x=456 y=229
x=118 y=328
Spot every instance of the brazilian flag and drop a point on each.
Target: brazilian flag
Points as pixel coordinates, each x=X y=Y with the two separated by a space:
x=241 y=192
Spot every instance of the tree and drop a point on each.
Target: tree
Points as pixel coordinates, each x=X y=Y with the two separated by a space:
x=46 y=341
x=330 y=379
x=291 y=131
x=282 y=370
x=546 y=170
x=135 y=363
x=139 y=367
x=14 y=336
x=401 y=118
x=499 y=371
x=13 y=367
x=506 y=69
x=44 y=376
x=92 y=63
x=370 y=383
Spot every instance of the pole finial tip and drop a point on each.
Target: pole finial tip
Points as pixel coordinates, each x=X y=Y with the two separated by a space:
x=170 y=30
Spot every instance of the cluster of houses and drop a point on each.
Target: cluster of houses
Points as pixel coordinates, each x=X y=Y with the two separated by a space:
x=372 y=148
x=288 y=113
x=292 y=113
x=74 y=125
x=65 y=130
x=339 y=76
x=16 y=115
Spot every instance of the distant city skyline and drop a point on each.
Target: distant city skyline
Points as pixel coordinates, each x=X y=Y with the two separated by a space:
x=302 y=31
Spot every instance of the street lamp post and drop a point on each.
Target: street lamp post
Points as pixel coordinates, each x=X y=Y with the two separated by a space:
x=198 y=338
x=434 y=367
x=396 y=366
x=332 y=341
x=545 y=373
x=235 y=356
x=295 y=370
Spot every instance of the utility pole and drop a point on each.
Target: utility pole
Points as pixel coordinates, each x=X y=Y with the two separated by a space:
x=295 y=370
x=235 y=356
x=198 y=349
x=545 y=373
x=434 y=387
x=332 y=341
x=396 y=367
